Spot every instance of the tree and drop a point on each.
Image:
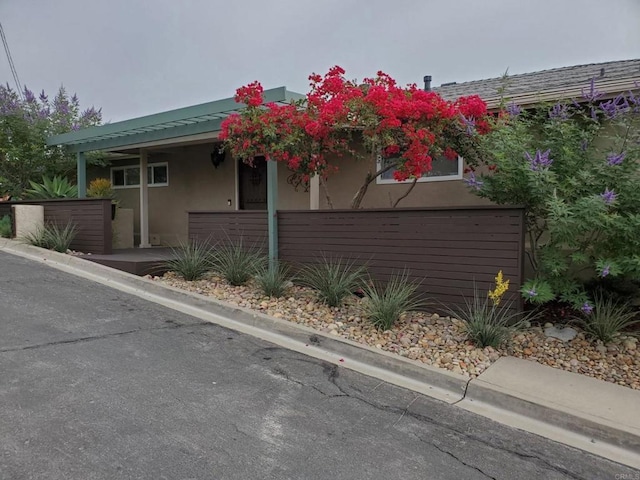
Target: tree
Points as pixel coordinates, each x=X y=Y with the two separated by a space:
x=405 y=126
x=575 y=166
x=25 y=123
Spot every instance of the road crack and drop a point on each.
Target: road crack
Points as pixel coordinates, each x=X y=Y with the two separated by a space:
x=91 y=338
x=457 y=459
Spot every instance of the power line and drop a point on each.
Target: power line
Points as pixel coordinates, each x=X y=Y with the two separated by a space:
x=14 y=72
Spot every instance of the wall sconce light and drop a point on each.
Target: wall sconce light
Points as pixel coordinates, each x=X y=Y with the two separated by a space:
x=217 y=156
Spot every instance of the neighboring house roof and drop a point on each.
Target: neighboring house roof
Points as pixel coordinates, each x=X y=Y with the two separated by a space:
x=184 y=124
x=611 y=78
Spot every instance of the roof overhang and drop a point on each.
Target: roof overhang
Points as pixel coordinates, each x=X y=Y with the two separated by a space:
x=608 y=89
x=197 y=123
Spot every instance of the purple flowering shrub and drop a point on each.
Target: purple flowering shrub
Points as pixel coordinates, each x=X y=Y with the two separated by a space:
x=26 y=121
x=575 y=167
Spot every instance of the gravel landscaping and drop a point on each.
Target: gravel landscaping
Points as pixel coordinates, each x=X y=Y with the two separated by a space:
x=430 y=338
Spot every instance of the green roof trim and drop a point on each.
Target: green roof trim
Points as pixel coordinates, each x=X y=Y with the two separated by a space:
x=181 y=122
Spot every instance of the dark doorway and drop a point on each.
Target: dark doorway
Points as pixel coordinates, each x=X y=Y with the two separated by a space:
x=252 y=185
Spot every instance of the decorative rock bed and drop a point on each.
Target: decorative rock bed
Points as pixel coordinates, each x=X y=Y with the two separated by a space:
x=430 y=338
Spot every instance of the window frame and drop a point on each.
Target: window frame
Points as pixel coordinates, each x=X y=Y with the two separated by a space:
x=438 y=178
x=124 y=168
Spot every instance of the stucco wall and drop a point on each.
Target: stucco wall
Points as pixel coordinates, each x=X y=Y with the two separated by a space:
x=194 y=184
x=344 y=184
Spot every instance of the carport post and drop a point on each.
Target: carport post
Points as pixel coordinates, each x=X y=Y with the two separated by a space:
x=144 y=201
x=272 y=211
x=82 y=175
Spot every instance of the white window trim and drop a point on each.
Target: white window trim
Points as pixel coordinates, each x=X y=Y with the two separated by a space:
x=440 y=178
x=151 y=185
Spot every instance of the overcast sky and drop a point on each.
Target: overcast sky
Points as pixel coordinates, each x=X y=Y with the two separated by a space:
x=136 y=57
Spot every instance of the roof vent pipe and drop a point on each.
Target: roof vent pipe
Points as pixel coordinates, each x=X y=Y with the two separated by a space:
x=427 y=83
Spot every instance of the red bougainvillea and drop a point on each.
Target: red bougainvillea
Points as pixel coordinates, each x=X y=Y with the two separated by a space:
x=405 y=126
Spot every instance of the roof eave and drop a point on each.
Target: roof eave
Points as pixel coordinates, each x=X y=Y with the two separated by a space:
x=169 y=124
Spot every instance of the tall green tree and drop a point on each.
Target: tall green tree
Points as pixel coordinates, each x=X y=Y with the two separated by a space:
x=25 y=123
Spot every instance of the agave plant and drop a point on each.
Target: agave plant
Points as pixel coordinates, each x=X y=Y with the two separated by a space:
x=56 y=187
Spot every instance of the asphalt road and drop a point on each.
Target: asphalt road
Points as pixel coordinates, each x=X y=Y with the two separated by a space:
x=98 y=384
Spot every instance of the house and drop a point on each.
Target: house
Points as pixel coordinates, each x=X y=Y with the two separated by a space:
x=167 y=164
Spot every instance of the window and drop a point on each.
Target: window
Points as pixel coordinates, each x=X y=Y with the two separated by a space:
x=441 y=169
x=129 y=176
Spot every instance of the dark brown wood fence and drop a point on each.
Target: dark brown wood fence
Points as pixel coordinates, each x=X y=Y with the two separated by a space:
x=92 y=218
x=446 y=250
x=223 y=227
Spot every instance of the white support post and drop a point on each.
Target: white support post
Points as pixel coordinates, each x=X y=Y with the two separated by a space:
x=144 y=201
x=314 y=192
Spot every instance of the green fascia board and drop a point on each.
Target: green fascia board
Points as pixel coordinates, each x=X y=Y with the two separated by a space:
x=150 y=123
x=123 y=141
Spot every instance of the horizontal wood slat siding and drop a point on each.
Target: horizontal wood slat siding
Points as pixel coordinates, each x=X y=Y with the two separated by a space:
x=445 y=250
x=223 y=227
x=92 y=218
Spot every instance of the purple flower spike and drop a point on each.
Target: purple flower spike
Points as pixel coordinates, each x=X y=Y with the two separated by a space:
x=584 y=145
x=29 y=97
x=609 y=196
x=559 y=112
x=605 y=271
x=592 y=94
x=43 y=97
x=586 y=308
x=532 y=293
x=470 y=124
x=539 y=161
x=615 y=159
x=472 y=182
x=618 y=105
x=514 y=110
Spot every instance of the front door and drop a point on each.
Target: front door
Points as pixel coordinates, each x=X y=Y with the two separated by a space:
x=252 y=185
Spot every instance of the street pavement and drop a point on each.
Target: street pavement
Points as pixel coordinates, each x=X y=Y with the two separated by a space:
x=99 y=384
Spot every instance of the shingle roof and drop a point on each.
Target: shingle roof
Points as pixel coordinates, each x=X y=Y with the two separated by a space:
x=561 y=81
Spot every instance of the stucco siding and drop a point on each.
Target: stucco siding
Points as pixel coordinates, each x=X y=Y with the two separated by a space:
x=194 y=184
x=344 y=184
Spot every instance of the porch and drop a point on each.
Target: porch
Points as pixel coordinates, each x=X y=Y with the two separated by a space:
x=138 y=261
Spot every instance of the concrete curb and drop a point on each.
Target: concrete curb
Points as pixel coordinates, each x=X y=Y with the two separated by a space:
x=596 y=425
x=479 y=396
x=416 y=376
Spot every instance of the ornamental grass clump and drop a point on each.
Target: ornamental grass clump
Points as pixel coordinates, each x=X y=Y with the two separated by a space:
x=608 y=318
x=191 y=260
x=275 y=281
x=334 y=279
x=487 y=321
x=384 y=304
x=53 y=237
x=238 y=263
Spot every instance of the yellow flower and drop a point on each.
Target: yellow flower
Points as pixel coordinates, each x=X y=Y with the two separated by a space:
x=501 y=288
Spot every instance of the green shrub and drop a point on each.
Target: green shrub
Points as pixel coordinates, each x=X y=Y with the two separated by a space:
x=191 y=260
x=53 y=237
x=5 y=227
x=274 y=281
x=385 y=304
x=576 y=168
x=237 y=263
x=333 y=278
x=608 y=318
x=56 y=187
